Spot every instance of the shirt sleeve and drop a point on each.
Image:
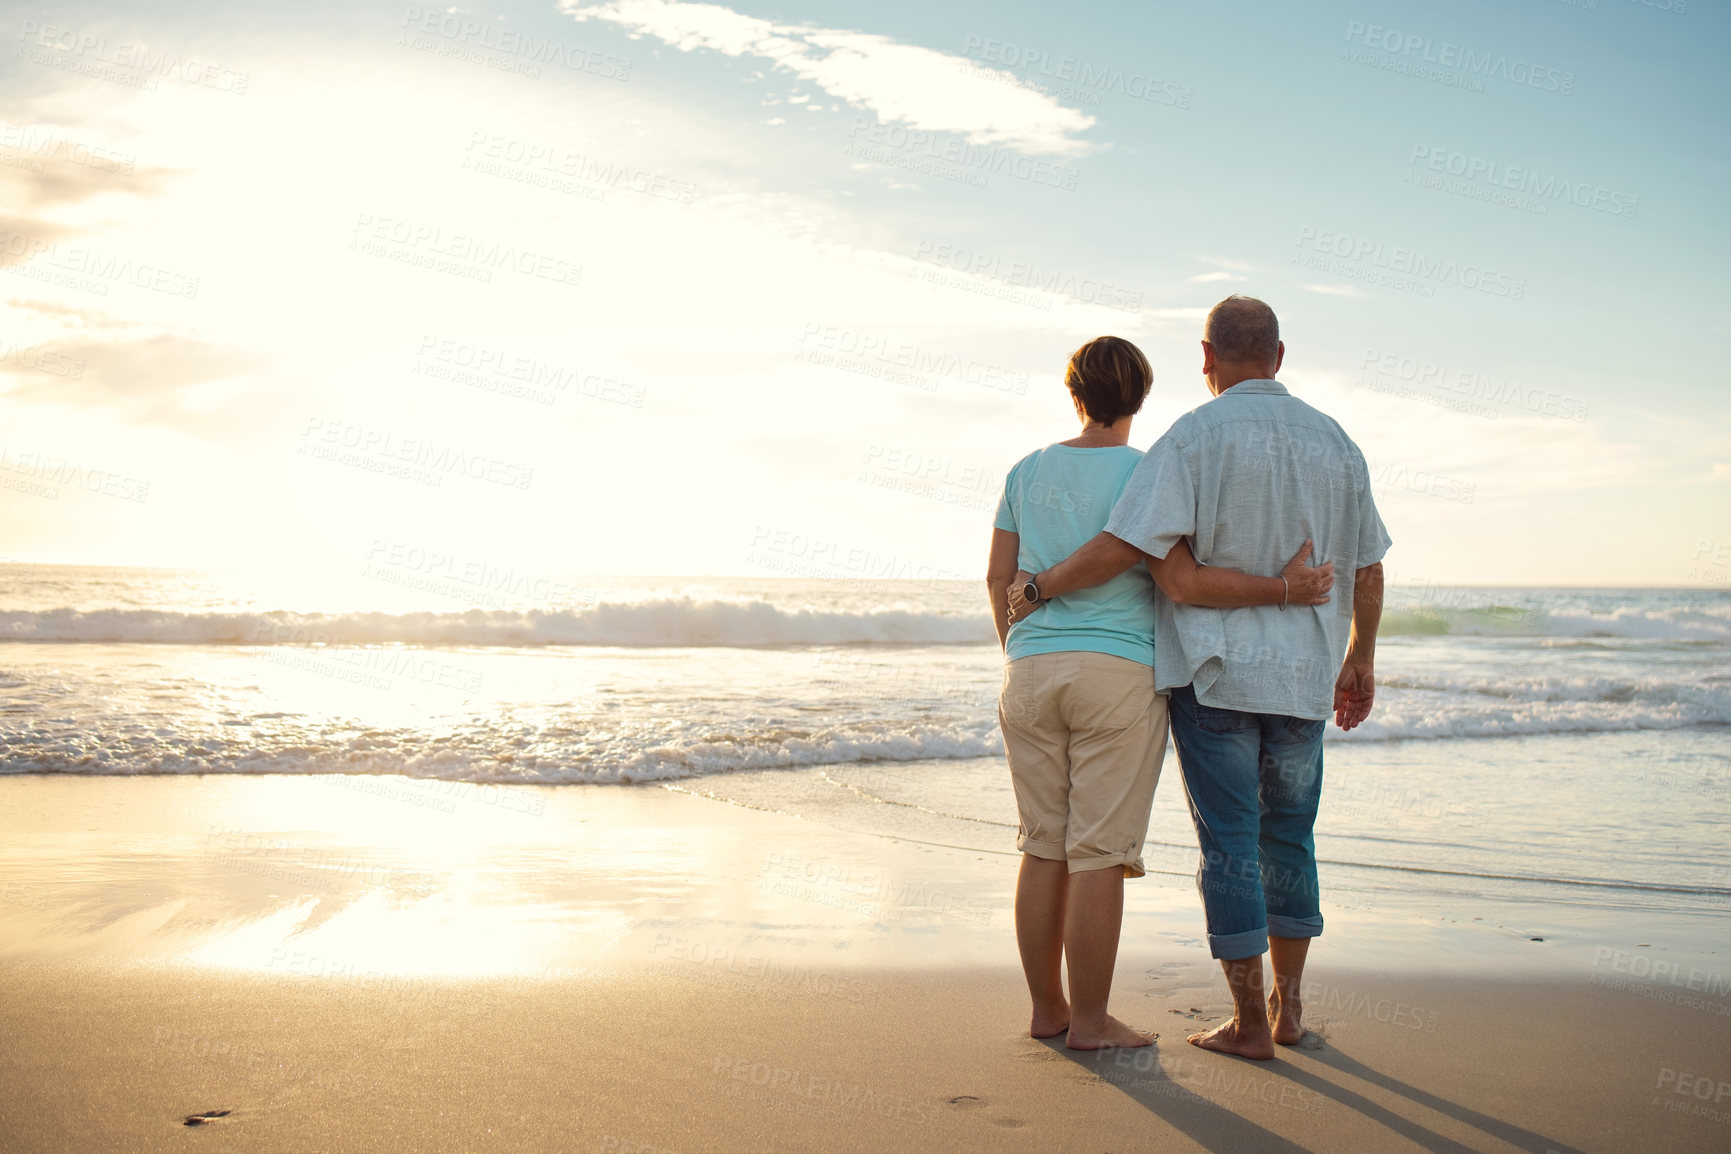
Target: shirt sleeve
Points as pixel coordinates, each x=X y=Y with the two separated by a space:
x=1158 y=505
x=1373 y=538
x=1006 y=518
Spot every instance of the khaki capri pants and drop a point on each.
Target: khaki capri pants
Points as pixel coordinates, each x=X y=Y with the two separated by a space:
x=1085 y=735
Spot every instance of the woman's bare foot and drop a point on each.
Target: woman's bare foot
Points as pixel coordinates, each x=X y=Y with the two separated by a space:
x=1288 y=1019
x=1236 y=1038
x=1049 y=1021
x=1113 y=1034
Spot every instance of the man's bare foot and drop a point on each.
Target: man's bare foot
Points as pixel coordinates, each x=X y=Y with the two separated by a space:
x=1288 y=1019
x=1112 y=1035
x=1236 y=1038
x=1049 y=1021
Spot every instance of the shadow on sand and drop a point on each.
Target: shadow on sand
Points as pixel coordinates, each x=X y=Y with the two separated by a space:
x=1164 y=1089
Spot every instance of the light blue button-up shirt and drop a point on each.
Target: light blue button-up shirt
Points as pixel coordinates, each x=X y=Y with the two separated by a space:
x=1246 y=478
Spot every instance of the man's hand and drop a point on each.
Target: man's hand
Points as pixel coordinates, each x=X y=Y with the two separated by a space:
x=1354 y=693
x=1355 y=688
x=1307 y=585
x=1020 y=607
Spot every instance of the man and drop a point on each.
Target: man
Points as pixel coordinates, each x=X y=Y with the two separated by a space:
x=1245 y=479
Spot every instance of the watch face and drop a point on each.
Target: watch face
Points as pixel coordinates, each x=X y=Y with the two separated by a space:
x=1031 y=592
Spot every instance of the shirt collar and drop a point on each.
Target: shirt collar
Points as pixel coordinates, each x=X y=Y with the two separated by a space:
x=1260 y=385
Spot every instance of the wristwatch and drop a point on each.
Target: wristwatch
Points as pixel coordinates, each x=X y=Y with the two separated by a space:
x=1031 y=592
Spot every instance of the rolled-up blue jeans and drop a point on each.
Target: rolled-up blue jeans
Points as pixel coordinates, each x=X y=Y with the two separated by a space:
x=1253 y=781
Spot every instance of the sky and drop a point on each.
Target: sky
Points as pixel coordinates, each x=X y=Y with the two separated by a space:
x=649 y=287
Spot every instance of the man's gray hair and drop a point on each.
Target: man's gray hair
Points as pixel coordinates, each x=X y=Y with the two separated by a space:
x=1243 y=330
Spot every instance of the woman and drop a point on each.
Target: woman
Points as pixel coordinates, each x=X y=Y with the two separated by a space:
x=1084 y=731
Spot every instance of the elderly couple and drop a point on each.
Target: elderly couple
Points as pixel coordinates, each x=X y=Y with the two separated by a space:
x=1126 y=593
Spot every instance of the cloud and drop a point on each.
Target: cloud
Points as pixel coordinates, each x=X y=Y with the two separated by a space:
x=154 y=378
x=901 y=83
x=26 y=238
x=69 y=315
x=44 y=170
x=1225 y=262
x=1212 y=277
x=43 y=182
x=1333 y=290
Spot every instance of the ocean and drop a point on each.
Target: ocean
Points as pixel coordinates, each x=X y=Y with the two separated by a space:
x=1562 y=746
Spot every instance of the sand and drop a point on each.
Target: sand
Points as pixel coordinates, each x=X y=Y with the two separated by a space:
x=633 y=970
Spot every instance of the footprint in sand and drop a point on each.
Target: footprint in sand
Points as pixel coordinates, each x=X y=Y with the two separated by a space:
x=207 y=1117
x=1042 y=1054
x=1192 y=1012
x=967 y=1102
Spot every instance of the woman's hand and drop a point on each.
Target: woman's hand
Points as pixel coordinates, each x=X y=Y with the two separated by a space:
x=1306 y=585
x=1020 y=607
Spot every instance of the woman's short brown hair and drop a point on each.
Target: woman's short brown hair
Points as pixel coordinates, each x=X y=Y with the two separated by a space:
x=1110 y=377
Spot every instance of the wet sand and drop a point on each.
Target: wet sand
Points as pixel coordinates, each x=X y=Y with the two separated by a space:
x=633 y=969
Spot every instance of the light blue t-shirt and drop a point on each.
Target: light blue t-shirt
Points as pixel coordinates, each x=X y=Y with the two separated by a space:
x=1057 y=499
